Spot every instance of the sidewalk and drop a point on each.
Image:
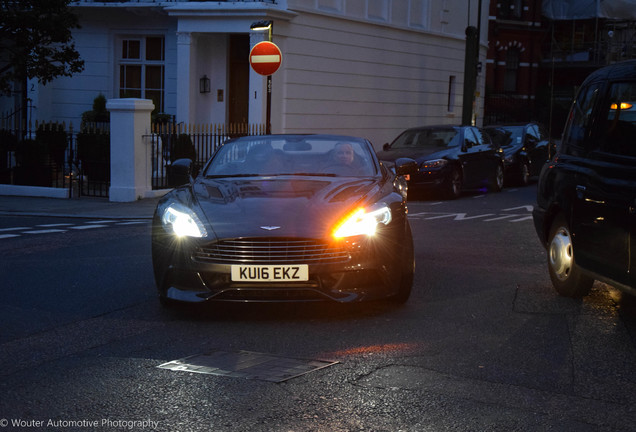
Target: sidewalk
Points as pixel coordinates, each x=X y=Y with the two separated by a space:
x=88 y=207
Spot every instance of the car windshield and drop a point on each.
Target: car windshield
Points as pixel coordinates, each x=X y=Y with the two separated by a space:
x=508 y=135
x=437 y=138
x=297 y=155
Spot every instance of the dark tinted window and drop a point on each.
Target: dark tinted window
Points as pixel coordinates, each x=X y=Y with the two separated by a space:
x=617 y=130
x=576 y=130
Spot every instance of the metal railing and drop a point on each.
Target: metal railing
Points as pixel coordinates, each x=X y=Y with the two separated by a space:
x=170 y=1
x=52 y=155
x=171 y=141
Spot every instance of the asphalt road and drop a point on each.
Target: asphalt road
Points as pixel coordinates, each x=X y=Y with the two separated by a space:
x=484 y=343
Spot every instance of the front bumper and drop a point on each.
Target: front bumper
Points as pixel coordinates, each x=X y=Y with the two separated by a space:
x=369 y=269
x=429 y=179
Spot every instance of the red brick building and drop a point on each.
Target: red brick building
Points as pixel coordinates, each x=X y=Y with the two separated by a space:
x=541 y=50
x=516 y=33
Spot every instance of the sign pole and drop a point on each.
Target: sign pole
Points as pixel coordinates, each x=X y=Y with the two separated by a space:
x=268 y=117
x=265 y=59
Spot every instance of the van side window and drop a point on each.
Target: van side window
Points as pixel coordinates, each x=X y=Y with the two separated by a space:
x=618 y=126
x=579 y=121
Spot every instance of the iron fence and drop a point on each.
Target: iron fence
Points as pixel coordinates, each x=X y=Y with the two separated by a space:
x=52 y=155
x=171 y=141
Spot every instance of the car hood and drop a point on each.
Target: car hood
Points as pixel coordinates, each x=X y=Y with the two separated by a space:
x=419 y=155
x=279 y=206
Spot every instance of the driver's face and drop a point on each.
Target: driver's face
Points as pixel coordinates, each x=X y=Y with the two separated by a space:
x=344 y=154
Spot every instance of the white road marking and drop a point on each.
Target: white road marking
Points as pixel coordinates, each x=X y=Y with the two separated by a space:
x=502 y=217
x=511 y=217
x=527 y=208
x=48 y=231
x=522 y=219
x=54 y=225
x=4 y=236
x=85 y=227
x=455 y=216
x=53 y=228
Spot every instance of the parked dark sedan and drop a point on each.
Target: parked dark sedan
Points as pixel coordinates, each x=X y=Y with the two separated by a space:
x=450 y=159
x=286 y=218
x=525 y=147
x=586 y=196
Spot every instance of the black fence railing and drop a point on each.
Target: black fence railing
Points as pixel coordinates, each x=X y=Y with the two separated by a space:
x=172 y=141
x=52 y=155
x=171 y=1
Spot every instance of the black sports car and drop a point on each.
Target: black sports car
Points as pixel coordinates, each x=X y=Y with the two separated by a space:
x=286 y=218
x=451 y=159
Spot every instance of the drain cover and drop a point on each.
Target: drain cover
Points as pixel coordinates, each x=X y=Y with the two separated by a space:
x=247 y=364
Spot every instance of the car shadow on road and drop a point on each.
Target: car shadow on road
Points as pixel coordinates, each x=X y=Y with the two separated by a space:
x=280 y=311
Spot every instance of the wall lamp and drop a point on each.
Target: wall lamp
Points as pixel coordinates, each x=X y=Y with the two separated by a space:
x=262 y=26
x=204 y=84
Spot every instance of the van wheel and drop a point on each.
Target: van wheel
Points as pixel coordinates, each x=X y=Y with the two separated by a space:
x=566 y=276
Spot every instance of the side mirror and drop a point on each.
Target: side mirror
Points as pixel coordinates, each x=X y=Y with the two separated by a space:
x=386 y=146
x=405 y=166
x=180 y=172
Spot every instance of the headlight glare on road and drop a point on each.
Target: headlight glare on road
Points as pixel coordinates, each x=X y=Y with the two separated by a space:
x=182 y=221
x=361 y=222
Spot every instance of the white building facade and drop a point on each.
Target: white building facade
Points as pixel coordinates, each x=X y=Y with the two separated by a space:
x=368 y=68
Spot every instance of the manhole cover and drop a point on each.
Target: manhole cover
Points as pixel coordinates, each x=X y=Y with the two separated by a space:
x=247 y=364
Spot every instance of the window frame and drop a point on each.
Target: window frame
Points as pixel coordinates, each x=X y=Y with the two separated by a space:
x=145 y=65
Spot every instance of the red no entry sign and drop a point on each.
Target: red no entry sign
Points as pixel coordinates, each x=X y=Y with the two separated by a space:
x=265 y=58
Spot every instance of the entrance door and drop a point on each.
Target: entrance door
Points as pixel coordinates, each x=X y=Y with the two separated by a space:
x=239 y=73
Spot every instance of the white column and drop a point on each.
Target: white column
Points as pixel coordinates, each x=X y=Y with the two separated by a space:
x=185 y=84
x=130 y=154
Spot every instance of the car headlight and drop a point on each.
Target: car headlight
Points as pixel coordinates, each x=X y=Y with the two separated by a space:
x=434 y=163
x=362 y=222
x=182 y=221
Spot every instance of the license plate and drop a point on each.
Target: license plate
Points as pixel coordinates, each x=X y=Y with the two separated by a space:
x=270 y=273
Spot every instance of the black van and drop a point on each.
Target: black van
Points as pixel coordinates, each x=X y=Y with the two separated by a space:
x=586 y=198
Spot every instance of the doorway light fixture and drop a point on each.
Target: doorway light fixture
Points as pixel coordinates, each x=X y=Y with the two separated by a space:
x=204 y=84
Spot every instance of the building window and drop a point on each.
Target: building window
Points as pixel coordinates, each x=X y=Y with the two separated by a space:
x=512 y=69
x=510 y=9
x=451 y=93
x=142 y=69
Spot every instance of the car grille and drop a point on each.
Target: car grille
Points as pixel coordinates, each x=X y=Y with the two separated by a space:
x=272 y=251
